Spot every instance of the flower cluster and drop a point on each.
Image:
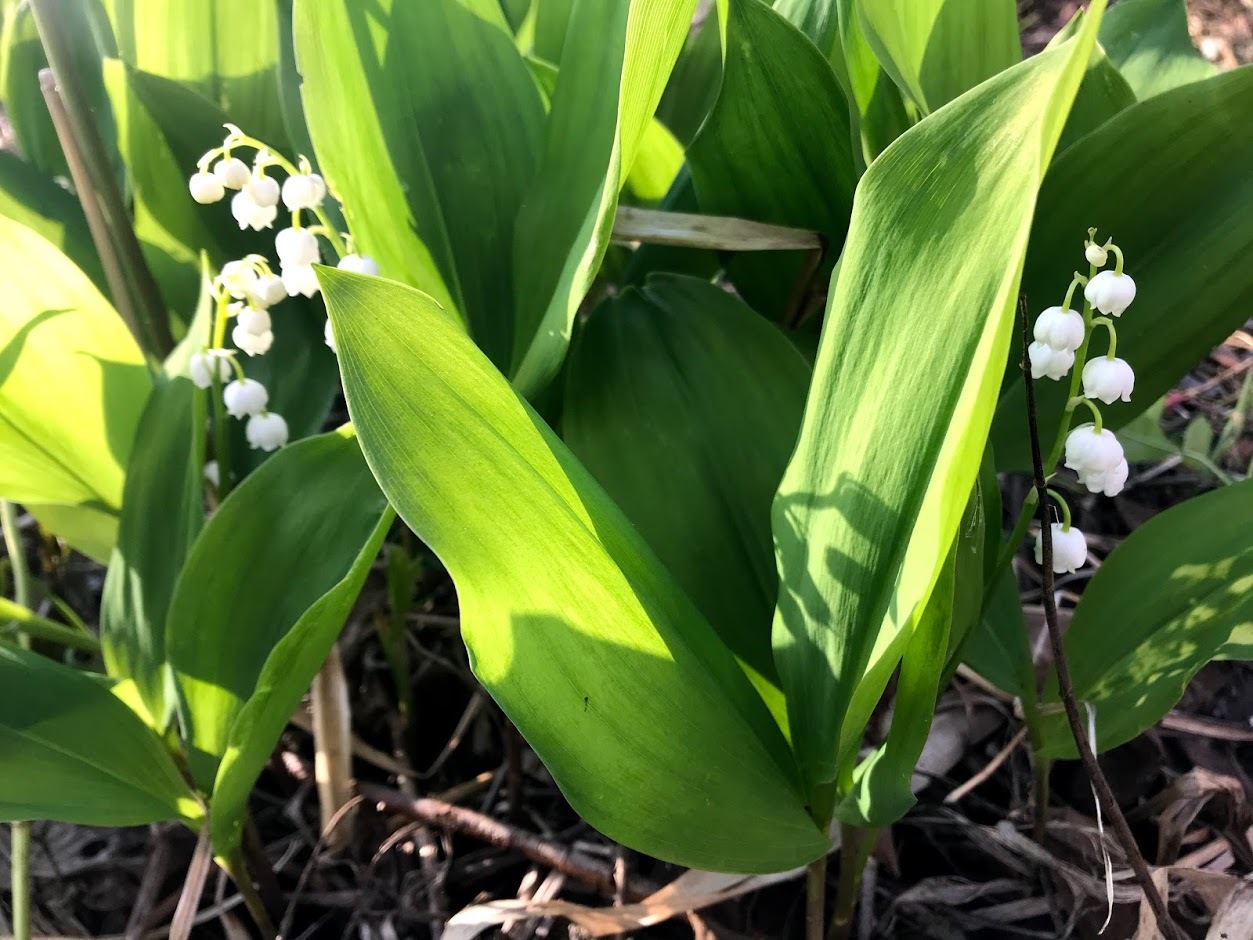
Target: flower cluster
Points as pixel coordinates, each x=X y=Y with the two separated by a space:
x=246 y=289
x=1062 y=339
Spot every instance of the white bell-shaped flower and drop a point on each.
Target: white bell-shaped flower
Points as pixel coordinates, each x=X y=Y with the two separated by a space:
x=1110 y=293
x=1108 y=380
x=300 y=279
x=296 y=246
x=263 y=190
x=329 y=334
x=253 y=319
x=232 y=172
x=267 y=291
x=1097 y=459
x=206 y=188
x=238 y=278
x=1070 y=549
x=1111 y=483
x=359 y=264
x=212 y=474
x=250 y=215
x=245 y=397
x=254 y=344
x=1050 y=362
x=1060 y=329
x=303 y=191
x=1096 y=255
x=266 y=431
x=201 y=365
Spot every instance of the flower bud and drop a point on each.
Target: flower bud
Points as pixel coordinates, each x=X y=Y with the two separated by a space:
x=1108 y=380
x=263 y=190
x=254 y=344
x=200 y=369
x=300 y=279
x=303 y=191
x=206 y=188
x=266 y=431
x=232 y=172
x=1060 y=329
x=1050 y=362
x=1096 y=255
x=296 y=246
x=212 y=474
x=268 y=291
x=250 y=215
x=253 y=320
x=1070 y=549
x=330 y=337
x=359 y=264
x=1110 y=293
x=245 y=397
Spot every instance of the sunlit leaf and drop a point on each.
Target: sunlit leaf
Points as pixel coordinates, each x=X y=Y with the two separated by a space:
x=1149 y=43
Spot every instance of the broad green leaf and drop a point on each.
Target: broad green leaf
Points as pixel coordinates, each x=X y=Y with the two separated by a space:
x=162 y=512
x=657 y=164
x=1163 y=604
x=997 y=648
x=684 y=405
x=897 y=417
x=571 y=622
x=33 y=199
x=74 y=753
x=1149 y=43
x=277 y=545
x=1103 y=94
x=1168 y=180
x=284 y=679
x=552 y=19
x=72 y=382
x=607 y=92
x=86 y=29
x=775 y=148
x=937 y=49
x=226 y=51
x=428 y=126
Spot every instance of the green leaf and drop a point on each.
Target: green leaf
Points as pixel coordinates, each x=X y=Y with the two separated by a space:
x=1169 y=181
x=282 y=540
x=571 y=622
x=85 y=26
x=607 y=92
x=401 y=99
x=937 y=49
x=162 y=513
x=1103 y=94
x=552 y=18
x=225 y=51
x=684 y=405
x=284 y=679
x=694 y=81
x=775 y=148
x=657 y=163
x=1149 y=43
x=997 y=648
x=1163 y=604
x=32 y=198
x=72 y=384
x=897 y=417
x=74 y=753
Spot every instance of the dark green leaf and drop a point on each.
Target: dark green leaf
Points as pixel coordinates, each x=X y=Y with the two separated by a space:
x=162 y=513
x=281 y=541
x=74 y=753
x=1149 y=43
x=1169 y=181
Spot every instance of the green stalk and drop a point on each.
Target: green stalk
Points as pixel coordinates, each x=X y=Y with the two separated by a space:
x=151 y=319
x=1081 y=357
x=19 y=861
x=855 y=847
x=30 y=624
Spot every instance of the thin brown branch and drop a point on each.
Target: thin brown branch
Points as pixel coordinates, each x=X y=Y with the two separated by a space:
x=990 y=769
x=486 y=829
x=1065 y=685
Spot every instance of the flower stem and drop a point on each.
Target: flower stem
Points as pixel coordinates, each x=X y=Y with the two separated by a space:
x=815 y=898
x=1070 y=291
x=1098 y=421
x=19 y=842
x=855 y=848
x=1065 y=507
x=1010 y=548
x=1081 y=357
x=1118 y=255
x=1106 y=322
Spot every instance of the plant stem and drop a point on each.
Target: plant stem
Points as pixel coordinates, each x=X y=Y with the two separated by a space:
x=815 y=898
x=221 y=440
x=31 y=624
x=19 y=842
x=855 y=847
x=1081 y=357
x=151 y=319
x=1064 y=683
x=1010 y=549
x=238 y=872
